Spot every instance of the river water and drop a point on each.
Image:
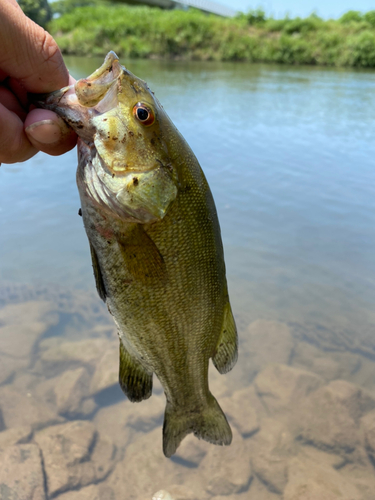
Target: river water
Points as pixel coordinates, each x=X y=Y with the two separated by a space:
x=289 y=155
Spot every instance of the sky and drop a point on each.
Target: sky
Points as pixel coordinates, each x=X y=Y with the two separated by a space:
x=324 y=8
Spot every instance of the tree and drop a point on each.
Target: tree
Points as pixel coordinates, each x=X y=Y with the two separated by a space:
x=62 y=7
x=37 y=10
x=351 y=16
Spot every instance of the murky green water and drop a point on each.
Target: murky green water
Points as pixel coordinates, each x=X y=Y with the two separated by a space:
x=289 y=154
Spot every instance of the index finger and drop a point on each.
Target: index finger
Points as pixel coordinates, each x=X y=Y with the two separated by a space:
x=28 y=53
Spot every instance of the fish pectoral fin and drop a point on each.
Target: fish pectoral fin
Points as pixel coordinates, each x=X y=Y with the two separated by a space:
x=209 y=424
x=134 y=380
x=98 y=274
x=142 y=257
x=226 y=353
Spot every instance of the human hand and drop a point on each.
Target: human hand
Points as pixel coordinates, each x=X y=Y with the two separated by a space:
x=30 y=61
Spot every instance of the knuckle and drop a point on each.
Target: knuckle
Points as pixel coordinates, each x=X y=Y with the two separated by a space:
x=49 y=50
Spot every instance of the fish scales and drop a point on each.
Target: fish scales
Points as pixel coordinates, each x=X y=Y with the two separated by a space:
x=175 y=240
x=156 y=248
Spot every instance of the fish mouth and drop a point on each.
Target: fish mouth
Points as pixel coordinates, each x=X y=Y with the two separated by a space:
x=100 y=110
x=87 y=98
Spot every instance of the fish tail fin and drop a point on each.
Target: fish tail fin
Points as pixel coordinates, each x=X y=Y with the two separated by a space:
x=210 y=424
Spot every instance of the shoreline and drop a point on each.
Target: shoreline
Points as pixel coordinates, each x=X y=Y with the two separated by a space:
x=150 y=33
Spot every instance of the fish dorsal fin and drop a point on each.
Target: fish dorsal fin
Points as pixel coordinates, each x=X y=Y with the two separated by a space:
x=141 y=255
x=98 y=274
x=226 y=353
x=134 y=380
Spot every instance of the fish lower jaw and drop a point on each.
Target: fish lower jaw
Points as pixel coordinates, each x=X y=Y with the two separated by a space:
x=70 y=97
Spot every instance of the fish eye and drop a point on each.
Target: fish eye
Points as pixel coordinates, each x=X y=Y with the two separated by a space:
x=143 y=114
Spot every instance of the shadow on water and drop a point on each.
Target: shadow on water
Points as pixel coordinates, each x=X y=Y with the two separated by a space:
x=109 y=396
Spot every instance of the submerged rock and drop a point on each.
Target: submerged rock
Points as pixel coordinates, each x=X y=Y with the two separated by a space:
x=150 y=471
x=311 y=481
x=21 y=325
x=112 y=421
x=74 y=456
x=92 y=492
x=146 y=416
x=281 y=387
x=329 y=417
x=21 y=473
x=242 y=409
x=270 y=451
x=368 y=425
x=362 y=476
x=10 y=366
x=227 y=469
x=309 y=357
x=191 y=451
x=304 y=440
x=265 y=342
x=15 y=435
x=324 y=458
x=106 y=372
x=68 y=393
x=258 y=491
x=237 y=496
x=21 y=409
x=68 y=355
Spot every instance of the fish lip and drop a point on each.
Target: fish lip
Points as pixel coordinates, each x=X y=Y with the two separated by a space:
x=92 y=90
x=111 y=64
x=48 y=98
x=77 y=104
x=107 y=74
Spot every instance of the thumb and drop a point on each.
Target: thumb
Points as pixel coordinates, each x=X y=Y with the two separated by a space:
x=49 y=133
x=28 y=53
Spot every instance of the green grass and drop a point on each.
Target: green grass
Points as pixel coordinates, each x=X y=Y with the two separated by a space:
x=147 y=32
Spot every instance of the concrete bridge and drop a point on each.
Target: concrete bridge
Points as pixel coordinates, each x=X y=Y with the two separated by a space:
x=204 y=5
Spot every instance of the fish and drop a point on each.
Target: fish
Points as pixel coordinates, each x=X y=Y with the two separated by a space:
x=155 y=245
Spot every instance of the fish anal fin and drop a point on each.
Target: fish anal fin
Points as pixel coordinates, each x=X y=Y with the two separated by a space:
x=226 y=352
x=134 y=380
x=141 y=255
x=209 y=424
x=97 y=274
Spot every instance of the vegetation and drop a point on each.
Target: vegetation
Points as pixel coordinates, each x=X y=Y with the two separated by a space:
x=37 y=10
x=60 y=7
x=97 y=27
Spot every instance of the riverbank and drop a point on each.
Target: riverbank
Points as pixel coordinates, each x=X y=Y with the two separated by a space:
x=144 y=32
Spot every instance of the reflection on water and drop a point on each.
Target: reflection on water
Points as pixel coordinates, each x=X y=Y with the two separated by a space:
x=289 y=156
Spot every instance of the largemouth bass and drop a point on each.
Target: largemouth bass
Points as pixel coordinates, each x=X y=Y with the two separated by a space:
x=155 y=246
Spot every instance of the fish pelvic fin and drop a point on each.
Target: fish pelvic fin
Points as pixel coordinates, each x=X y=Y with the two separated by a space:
x=134 y=380
x=209 y=424
x=226 y=352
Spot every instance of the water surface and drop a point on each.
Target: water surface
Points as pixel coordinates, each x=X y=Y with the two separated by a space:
x=289 y=155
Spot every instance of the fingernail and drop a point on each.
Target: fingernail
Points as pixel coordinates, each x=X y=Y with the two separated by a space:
x=45 y=131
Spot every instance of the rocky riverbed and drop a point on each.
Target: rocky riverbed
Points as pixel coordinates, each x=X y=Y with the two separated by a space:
x=301 y=404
